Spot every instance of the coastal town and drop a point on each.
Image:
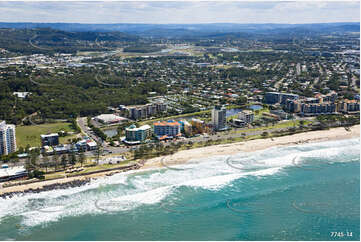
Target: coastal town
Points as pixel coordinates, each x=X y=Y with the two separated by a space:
x=191 y=96
x=179 y=120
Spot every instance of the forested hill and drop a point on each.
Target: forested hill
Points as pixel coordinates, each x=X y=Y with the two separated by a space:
x=190 y=30
x=46 y=40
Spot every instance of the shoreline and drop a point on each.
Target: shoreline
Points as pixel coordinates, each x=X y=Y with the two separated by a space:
x=182 y=157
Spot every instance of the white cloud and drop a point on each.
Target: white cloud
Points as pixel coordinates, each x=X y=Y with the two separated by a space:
x=181 y=12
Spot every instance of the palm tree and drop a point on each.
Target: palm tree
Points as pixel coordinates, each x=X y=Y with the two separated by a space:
x=28 y=165
x=81 y=158
x=55 y=160
x=46 y=163
x=292 y=118
x=98 y=152
x=14 y=160
x=302 y=123
x=33 y=160
x=72 y=158
x=63 y=161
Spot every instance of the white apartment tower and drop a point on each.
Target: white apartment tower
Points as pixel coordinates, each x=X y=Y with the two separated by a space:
x=7 y=138
x=219 y=118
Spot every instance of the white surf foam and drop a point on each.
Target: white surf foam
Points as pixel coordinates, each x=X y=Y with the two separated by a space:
x=133 y=189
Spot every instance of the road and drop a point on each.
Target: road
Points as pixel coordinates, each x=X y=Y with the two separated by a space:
x=233 y=133
x=278 y=83
x=82 y=123
x=38 y=83
x=35 y=46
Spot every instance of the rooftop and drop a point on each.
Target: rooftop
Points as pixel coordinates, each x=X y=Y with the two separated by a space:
x=110 y=117
x=246 y=112
x=134 y=128
x=4 y=172
x=166 y=123
x=49 y=135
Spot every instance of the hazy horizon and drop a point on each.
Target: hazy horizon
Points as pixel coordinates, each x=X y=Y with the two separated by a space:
x=176 y=12
x=353 y=22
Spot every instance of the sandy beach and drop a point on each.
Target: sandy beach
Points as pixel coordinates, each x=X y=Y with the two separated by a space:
x=254 y=145
x=184 y=156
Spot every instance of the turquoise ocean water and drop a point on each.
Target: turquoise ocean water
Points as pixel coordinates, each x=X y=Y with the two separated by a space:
x=302 y=192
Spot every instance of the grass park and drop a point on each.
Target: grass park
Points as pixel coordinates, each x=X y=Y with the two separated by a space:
x=30 y=135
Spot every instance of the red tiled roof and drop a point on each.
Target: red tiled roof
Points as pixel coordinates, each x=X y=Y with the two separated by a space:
x=350 y=101
x=163 y=137
x=164 y=123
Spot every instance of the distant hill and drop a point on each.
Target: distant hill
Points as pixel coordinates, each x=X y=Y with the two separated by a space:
x=30 y=38
x=181 y=30
x=45 y=40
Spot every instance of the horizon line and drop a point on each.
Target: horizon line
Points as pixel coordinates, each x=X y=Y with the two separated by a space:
x=178 y=23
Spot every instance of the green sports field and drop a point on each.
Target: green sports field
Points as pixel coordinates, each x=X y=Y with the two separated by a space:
x=31 y=134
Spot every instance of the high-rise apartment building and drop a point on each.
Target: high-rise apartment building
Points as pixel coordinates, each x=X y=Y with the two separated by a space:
x=171 y=128
x=132 y=133
x=219 y=118
x=7 y=138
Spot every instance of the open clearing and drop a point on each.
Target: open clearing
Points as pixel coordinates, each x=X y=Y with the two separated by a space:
x=31 y=134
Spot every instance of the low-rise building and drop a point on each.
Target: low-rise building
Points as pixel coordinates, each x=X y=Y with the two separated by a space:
x=49 y=139
x=7 y=174
x=246 y=115
x=199 y=126
x=62 y=149
x=239 y=122
x=109 y=118
x=91 y=145
x=86 y=144
x=280 y=113
x=21 y=94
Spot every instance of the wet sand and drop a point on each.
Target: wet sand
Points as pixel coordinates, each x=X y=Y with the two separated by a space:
x=183 y=156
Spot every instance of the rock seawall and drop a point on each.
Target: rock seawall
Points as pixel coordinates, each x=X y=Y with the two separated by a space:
x=55 y=186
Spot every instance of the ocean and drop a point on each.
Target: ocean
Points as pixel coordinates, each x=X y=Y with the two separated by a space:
x=301 y=192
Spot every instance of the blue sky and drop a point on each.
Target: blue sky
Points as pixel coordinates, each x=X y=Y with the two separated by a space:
x=180 y=12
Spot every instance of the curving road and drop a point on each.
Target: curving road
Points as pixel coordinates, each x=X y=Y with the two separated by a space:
x=35 y=46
